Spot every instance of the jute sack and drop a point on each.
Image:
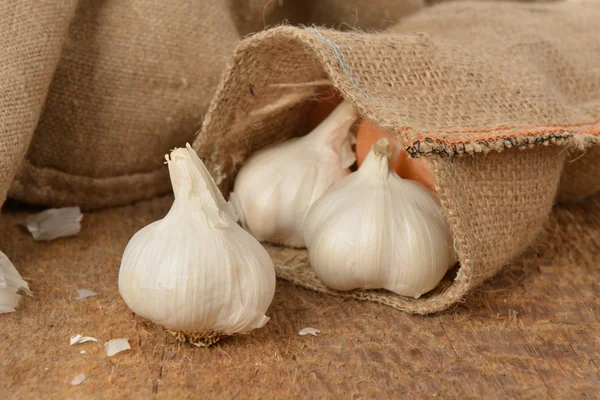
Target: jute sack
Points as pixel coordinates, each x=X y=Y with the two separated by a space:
x=255 y=15
x=121 y=81
x=105 y=88
x=96 y=92
x=31 y=37
x=497 y=97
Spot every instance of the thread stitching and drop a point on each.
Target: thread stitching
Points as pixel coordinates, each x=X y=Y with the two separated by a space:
x=346 y=69
x=450 y=147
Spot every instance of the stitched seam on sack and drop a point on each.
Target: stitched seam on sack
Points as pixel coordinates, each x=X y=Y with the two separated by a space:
x=541 y=131
x=449 y=146
x=458 y=146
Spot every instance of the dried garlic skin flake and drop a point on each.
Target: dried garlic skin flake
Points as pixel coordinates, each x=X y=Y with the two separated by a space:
x=83 y=294
x=79 y=378
x=115 y=346
x=10 y=283
x=54 y=223
x=309 y=331
x=77 y=339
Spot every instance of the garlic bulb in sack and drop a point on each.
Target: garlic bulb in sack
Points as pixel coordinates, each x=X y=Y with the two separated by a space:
x=276 y=186
x=375 y=230
x=196 y=272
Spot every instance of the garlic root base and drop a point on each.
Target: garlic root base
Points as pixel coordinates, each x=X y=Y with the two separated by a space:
x=198 y=339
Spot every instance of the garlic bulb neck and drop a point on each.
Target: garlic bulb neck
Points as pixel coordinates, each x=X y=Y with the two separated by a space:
x=334 y=129
x=376 y=163
x=192 y=182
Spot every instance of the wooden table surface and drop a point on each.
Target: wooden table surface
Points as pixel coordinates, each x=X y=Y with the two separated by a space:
x=531 y=332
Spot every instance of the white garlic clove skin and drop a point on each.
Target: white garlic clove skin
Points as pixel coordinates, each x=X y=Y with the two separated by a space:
x=196 y=269
x=11 y=283
x=375 y=230
x=276 y=186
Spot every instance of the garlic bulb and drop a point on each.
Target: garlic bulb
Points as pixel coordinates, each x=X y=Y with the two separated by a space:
x=10 y=283
x=375 y=230
x=277 y=185
x=196 y=271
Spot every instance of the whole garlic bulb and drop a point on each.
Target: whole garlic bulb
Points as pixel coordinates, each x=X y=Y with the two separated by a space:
x=277 y=185
x=196 y=271
x=375 y=230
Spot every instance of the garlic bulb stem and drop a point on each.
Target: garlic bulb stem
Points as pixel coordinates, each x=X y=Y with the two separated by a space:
x=377 y=161
x=193 y=183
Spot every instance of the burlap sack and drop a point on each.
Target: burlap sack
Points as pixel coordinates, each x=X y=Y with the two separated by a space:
x=497 y=96
x=31 y=37
x=255 y=15
x=122 y=82
x=115 y=84
x=581 y=176
x=133 y=80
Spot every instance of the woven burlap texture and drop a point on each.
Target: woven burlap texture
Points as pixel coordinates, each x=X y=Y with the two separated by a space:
x=31 y=40
x=133 y=80
x=467 y=85
x=129 y=80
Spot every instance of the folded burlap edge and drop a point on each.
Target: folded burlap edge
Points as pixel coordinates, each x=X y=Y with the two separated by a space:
x=48 y=186
x=539 y=166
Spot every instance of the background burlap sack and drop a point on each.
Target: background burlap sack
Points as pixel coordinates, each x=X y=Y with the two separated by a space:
x=124 y=81
x=31 y=37
x=255 y=15
x=496 y=95
x=133 y=81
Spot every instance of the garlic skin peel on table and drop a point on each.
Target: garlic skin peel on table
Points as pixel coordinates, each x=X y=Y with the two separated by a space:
x=375 y=230
x=10 y=283
x=276 y=186
x=196 y=272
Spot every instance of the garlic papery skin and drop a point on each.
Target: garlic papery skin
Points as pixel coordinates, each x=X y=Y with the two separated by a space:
x=276 y=186
x=375 y=230
x=10 y=283
x=196 y=271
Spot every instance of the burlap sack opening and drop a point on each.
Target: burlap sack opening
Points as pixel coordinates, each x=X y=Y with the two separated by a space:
x=441 y=82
